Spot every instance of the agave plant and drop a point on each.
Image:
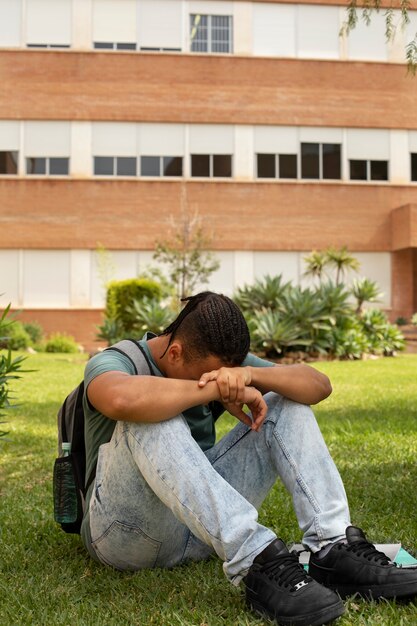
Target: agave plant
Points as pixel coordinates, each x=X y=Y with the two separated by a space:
x=274 y=334
x=151 y=315
x=264 y=293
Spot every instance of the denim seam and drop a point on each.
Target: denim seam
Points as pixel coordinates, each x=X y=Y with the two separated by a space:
x=232 y=445
x=298 y=477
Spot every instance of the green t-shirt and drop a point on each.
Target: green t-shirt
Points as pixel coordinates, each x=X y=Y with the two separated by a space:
x=99 y=428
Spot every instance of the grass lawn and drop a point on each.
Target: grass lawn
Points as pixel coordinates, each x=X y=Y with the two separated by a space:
x=369 y=423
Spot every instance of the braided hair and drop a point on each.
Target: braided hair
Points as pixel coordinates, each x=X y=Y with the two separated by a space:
x=211 y=324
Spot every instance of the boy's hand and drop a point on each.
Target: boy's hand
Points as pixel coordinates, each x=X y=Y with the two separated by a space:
x=231 y=382
x=256 y=404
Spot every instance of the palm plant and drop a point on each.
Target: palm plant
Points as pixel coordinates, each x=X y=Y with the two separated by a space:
x=316 y=263
x=342 y=261
x=365 y=290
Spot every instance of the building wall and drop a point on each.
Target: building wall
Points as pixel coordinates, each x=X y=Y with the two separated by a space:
x=288 y=78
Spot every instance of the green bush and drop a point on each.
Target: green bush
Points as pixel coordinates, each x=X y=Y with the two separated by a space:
x=414 y=319
x=61 y=342
x=35 y=331
x=122 y=294
x=401 y=321
x=16 y=337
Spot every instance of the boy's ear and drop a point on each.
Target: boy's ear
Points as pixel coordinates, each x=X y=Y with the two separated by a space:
x=175 y=352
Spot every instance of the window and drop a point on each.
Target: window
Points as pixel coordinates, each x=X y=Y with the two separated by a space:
x=110 y=45
x=153 y=49
x=414 y=166
x=320 y=161
x=114 y=166
x=47 y=45
x=211 y=165
x=47 y=166
x=364 y=169
x=160 y=166
x=211 y=33
x=8 y=161
x=277 y=165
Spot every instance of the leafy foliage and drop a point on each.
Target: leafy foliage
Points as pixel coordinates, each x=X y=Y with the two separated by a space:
x=320 y=320
x=17 y=337
x=187 y=256
x=122 y=294
x=370 y=6
x=151 y=315
x=10 y=368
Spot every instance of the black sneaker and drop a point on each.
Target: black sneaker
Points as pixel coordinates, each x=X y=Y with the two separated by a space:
x=357 y=567
x=279 y=587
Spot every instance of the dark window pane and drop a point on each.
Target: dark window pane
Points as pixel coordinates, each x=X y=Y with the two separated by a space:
x=126 y=166
x=414 y=166
x=103 y=45
x=103 y=166
x=358 y=170
x=126 y=46
x=172 y=166
x=148 y=49
x=8 y=162
x=200 y=165
x=59 y=45
x=266 y=166
x=36 y=166
x=221 y=33
x=331 y=160
x=171 y=49
x=310 y=160
x=379 y=170
x=58 y=166
x=287 y=165
x=199 y=33
x=150 y=166
x=36 y=45
x=222 y=165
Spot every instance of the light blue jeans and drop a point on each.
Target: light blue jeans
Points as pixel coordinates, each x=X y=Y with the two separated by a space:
x=159 y=500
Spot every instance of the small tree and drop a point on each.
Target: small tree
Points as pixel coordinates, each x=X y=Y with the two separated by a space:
x=186 y=254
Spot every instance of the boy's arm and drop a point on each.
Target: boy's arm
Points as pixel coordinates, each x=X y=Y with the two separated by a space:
x=122 y=396
x=299 y=382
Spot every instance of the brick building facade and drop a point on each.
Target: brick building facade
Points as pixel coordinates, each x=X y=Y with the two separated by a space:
x=284 y=136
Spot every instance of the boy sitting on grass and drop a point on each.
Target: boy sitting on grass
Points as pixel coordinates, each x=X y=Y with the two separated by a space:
x=165 y=492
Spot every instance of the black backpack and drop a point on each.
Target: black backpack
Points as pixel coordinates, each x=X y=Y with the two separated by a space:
x=70 y=483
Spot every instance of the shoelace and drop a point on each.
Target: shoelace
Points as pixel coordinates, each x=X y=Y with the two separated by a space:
x=286 y=570
x=368 y=550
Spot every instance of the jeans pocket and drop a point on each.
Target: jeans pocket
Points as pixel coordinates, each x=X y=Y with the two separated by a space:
x=126 y=547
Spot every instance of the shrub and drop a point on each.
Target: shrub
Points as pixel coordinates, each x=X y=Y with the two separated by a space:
x=16 y=337
x=61 y=342
x=401 y=321
x=122 y=294
x=414 y=319
x=35 y=331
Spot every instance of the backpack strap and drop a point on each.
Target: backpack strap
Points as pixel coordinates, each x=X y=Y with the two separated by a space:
x=135 y=353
